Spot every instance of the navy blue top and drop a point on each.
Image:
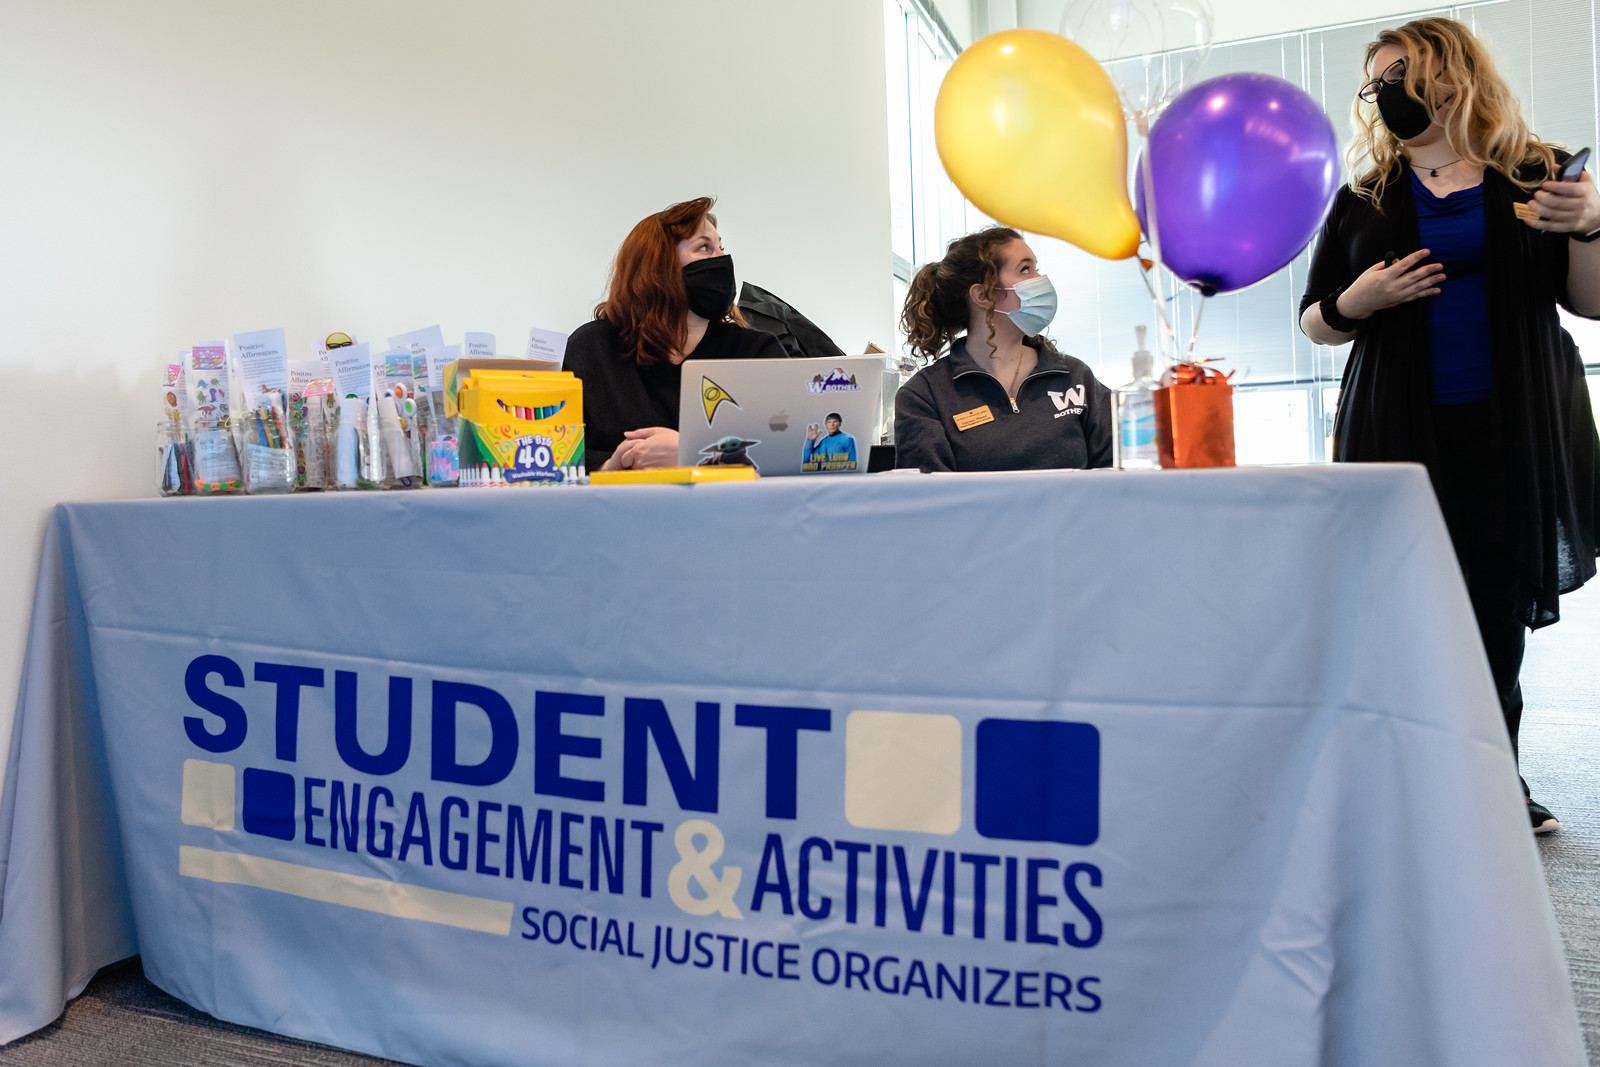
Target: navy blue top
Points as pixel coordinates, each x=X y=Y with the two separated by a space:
x=1452 y=230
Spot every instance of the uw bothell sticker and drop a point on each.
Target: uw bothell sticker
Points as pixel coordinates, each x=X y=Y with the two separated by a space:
x=828 y=449
x=835 y=381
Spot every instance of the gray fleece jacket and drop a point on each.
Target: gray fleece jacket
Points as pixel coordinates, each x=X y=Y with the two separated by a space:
x=955 y=416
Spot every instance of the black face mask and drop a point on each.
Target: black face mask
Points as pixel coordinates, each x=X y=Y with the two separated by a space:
x=1405 y=117
x=710 y=285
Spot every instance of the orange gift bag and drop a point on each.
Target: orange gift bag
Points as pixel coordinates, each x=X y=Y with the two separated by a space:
x=1194 y=417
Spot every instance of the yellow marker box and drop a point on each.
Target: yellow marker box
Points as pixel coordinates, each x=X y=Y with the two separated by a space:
x=458 y=371
x=521 y=428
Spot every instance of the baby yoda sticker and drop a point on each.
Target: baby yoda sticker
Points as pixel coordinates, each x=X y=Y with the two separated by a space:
x=730 y=451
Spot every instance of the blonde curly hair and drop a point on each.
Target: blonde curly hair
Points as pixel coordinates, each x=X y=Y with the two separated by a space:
x=1483 y=120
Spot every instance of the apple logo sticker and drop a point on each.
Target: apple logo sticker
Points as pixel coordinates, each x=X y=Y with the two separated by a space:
x=779 y=422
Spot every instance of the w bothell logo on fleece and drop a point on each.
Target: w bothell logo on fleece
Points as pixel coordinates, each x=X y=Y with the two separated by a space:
x=1068 y=400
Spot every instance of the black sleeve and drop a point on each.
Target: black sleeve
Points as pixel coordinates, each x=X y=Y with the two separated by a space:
x=1330 y=260
x=919 y=437
x=1554 y=248
x=1559 y=266
x=1099 y=423
x=588 y=349
x=1559 y=251
x=762 y=345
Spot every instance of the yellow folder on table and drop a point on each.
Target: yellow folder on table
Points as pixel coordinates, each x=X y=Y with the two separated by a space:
x=674 y=476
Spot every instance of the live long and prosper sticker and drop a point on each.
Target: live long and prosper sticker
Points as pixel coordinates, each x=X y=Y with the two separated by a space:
x=536 y=810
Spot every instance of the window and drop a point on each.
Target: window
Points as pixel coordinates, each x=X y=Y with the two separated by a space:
x=1273 y=425
x=927 y=211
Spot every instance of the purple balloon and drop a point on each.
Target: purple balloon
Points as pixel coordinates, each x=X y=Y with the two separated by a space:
x=1245 y=169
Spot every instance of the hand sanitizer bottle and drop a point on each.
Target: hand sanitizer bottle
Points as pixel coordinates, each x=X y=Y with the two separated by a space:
x=1136 y=413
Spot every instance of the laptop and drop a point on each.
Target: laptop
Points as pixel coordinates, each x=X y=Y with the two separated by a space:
x=781 y=416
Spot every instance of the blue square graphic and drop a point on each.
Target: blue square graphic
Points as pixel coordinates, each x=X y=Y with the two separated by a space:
x=269 y=803
x=1038 y=781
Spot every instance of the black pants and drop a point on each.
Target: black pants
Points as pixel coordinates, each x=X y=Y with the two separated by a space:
x=1485 y=563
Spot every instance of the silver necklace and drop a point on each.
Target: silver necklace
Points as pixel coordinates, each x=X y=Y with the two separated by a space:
x=1016 y=379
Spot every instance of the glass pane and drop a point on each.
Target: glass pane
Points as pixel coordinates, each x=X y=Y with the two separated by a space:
x=897 y=76
x=931 y=178
x=1330 y=408
x=933 y=212
x=1272 y=425
x=1560 y=104
x=900 y=291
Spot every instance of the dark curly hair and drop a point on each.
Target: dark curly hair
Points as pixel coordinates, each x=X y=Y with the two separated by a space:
x=936 y=305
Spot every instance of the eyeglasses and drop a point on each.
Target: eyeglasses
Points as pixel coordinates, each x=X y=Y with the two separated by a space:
x=1393 y=74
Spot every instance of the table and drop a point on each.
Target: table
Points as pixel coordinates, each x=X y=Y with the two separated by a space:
x=1097 y=767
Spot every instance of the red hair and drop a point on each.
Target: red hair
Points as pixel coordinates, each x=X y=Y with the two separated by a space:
x=645 y=298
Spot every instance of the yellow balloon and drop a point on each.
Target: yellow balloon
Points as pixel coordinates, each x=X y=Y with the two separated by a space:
x=1029 y=127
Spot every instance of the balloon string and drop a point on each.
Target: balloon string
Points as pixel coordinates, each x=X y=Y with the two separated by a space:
x=1164 y=330
x=1168 y=337
x=1195 y=335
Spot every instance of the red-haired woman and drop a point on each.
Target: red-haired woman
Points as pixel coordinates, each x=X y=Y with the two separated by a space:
x=670 y=299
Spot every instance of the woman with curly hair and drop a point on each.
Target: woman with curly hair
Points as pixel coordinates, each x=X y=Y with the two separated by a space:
x=670 y=299
x=1443 y=261
x=1002 y=398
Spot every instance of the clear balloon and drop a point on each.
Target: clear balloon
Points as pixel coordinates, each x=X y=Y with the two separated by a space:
x=1244 y=168
x=1150 y=48
x=1029 y=128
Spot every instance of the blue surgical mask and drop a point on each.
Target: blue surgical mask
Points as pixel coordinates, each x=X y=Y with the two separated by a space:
x=1038 y=306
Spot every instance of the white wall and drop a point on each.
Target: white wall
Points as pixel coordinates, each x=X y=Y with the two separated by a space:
x=177 y=170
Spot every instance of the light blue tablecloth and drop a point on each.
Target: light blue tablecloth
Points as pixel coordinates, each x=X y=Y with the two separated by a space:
x=1181 y=767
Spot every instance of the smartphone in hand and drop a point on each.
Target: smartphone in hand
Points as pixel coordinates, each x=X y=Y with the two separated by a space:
x=1574 y=166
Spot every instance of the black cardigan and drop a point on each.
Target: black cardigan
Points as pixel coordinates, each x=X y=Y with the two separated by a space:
x=619 y=395
x=1544 y=484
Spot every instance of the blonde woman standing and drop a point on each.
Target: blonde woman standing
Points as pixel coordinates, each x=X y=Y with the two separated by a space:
x=1443 y=261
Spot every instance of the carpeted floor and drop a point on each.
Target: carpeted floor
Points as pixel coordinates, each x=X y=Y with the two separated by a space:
x=1560 y=757
x=124 y=1020
x=121 y=1020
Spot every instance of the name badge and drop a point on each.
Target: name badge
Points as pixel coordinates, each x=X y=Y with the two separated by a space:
x=977 y=416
